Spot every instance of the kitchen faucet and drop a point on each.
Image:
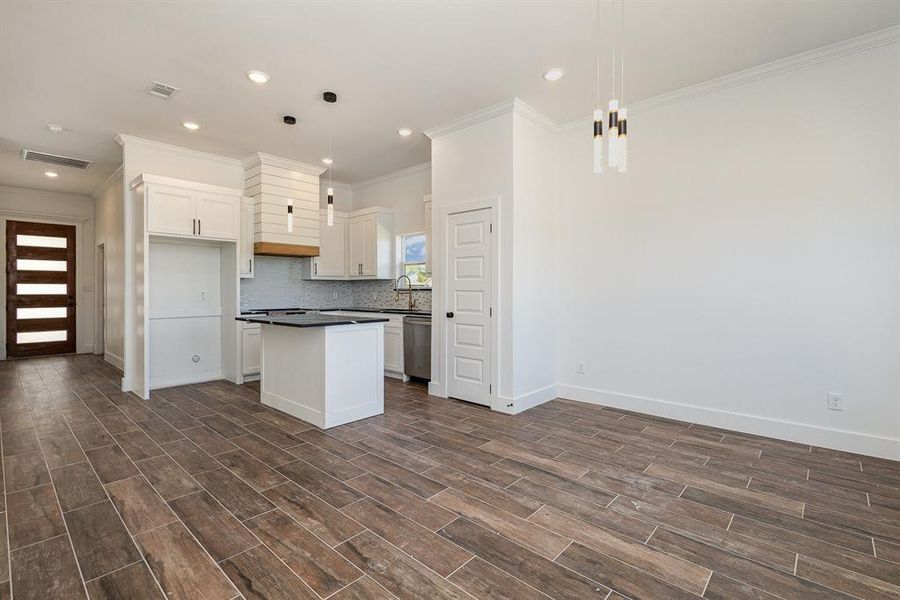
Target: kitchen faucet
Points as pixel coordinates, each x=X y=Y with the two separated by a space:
x=409 y=291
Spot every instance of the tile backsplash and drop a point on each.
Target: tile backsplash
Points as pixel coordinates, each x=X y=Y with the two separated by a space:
x=278 y=283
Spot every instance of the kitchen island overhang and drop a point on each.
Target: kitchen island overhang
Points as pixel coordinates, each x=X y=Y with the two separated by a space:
x=326 y=370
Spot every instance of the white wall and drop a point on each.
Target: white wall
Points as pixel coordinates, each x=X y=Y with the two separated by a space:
x=403 y=191
x=469 y=165
x=109 y=217
x=534 y=247
x=155 y=158
x=748 y=263
x=25 y=204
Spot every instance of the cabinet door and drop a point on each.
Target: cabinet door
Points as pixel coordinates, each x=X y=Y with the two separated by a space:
x=218 y=216
x=370 y=248
x=250 y=351
x=170 y=210
x=246 y=240
x=393 y=348
x=332 y=260
x=357 y=248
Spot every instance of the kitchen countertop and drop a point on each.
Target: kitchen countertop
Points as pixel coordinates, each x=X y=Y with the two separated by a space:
x=309 y=320
x=394 y=311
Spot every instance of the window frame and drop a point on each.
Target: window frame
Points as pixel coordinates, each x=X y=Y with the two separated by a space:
x=401 y=255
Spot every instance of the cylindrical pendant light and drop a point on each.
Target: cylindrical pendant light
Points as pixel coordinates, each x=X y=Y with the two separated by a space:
x=330 y=98
x=598 y=141
x=290 y=215
x=613 y=132
x=622 y=144
x=330 y=208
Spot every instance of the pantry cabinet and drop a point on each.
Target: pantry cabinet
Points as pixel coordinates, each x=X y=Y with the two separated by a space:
x=198 y=211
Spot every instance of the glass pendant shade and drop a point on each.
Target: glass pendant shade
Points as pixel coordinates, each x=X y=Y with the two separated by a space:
x=290 y=215
x=329 y=210
x=598 y=141
x=613 y=132
x=622 y=144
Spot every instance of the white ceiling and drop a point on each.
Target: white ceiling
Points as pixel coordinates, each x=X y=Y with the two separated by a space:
x=84 y=65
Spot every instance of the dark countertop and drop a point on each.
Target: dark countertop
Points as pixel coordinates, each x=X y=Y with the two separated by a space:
x=392 y=311
x=309 y=320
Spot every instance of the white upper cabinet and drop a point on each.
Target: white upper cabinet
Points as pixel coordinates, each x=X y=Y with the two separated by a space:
x=171 y=210
x=188 y=209
x=246 y=240
x=360 y=245
x=371 y=244
x=218 y=216
x=332 y=260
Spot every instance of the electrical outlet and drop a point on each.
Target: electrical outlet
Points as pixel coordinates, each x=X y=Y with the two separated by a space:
x=579 y=368
x=835 y=400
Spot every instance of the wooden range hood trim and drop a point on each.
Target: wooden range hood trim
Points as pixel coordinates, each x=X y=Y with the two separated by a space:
x=274 y=249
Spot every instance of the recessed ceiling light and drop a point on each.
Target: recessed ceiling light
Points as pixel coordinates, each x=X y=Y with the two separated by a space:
x=554 y=74
x=51 y=174
x=257 y=77
x=190 y=125
x=404 y=132
x=327 y=161
x=56 y=128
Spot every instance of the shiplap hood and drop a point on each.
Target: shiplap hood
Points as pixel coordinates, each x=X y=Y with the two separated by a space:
x=270 y=181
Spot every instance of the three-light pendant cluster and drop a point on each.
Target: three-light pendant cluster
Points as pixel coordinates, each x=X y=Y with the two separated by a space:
x=617 y=151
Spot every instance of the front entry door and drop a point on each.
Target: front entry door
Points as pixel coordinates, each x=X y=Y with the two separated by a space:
x=40 y=289
x=469 y=312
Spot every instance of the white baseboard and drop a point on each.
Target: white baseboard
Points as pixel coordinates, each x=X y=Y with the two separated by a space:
x=838 y=439
x=184 y=379
x=115 y=360
x=436 y=389
x=523 y=402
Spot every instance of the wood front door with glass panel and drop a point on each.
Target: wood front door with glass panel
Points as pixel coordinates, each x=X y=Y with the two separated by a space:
x=40 y=289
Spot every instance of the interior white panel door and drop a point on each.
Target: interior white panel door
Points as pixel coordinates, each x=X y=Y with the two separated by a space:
x=469 y=293
x=218 y=216
x=170 y=210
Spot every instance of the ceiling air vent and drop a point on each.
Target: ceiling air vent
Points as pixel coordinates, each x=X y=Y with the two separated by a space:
x=54 y=159
x=163 y=90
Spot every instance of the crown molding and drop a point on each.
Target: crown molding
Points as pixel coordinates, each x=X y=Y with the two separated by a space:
x=103 y=184
x=124 y=140
x=479 y=116
x=261 y=158
x=393 y=175
x=775 y=68
x=526 y=111
x=513 y=105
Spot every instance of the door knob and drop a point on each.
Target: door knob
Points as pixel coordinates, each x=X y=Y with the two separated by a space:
x=449 y=315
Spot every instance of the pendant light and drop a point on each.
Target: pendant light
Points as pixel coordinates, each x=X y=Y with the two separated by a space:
x=622 y=142
x=331 y=98
x=289 y=120
x=598 y=112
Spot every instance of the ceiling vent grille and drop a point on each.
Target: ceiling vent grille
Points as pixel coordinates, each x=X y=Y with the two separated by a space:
x=55 y=159
x=163 y=90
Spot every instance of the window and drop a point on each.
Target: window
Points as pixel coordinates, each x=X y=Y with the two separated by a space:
x=412 y=259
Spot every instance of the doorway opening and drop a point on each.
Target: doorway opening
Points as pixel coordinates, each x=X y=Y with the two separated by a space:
x=40 y=289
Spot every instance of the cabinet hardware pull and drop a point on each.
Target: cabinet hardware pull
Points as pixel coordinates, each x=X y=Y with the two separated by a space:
x=193 y=226
x=251 y=265
x=315 y=268
x=198 y=227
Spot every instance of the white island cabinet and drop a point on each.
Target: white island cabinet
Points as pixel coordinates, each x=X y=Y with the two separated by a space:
x=326 y=370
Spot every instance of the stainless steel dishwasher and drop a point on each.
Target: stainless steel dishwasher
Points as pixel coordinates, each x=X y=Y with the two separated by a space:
x=417 y=346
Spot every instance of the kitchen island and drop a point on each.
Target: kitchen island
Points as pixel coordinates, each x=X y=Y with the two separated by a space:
x=327 y=370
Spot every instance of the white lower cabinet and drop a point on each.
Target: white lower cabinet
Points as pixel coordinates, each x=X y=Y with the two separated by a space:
x=250 y=348
x=393 y=341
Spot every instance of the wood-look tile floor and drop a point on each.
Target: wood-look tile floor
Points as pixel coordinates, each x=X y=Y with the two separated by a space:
x=202 y=493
